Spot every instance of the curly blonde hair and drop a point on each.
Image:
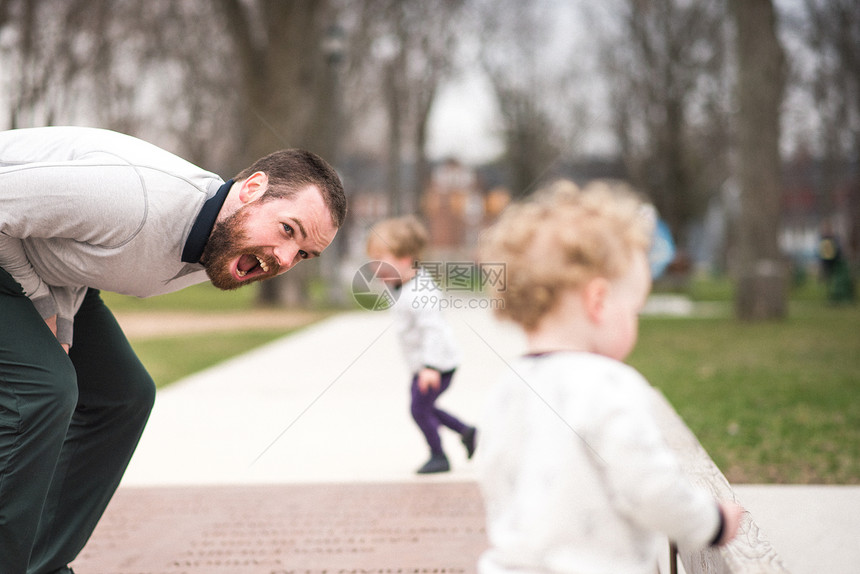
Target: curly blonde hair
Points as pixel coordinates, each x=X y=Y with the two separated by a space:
x=561 y=239
x=400 y=236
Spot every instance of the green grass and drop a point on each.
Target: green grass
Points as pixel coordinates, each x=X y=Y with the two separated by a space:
x=709 y=288
x=169 y=359
x=202 y=298
x=771 y=402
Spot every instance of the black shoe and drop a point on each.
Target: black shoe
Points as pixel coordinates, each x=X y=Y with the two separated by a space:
x=468 y=439
x=437 y=463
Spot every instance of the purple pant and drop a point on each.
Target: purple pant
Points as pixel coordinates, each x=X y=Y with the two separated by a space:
x=429 y=417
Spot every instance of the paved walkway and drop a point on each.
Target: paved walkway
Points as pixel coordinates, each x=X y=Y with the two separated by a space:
x=329 y=406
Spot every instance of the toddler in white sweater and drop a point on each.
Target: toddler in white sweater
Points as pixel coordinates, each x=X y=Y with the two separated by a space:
x=575 y=473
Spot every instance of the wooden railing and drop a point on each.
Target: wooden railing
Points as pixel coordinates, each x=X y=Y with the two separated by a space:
x=750 y=552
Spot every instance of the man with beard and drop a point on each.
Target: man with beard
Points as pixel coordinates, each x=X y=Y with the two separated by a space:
x=84 y=210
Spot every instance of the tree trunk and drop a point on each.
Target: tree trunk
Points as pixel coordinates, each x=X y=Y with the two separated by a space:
x=394 y=95
x=761 y=290
x=282 y=84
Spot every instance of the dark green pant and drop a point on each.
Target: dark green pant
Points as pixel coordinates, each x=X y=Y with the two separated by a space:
x=68 y=427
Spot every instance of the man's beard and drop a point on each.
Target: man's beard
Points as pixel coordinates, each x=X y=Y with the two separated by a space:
x=228 y=241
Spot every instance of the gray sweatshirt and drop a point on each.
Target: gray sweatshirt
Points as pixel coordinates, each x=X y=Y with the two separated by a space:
x=83 y=207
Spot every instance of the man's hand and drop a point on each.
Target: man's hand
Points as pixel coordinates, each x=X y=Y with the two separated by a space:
x=428 y=379
x=51 y=322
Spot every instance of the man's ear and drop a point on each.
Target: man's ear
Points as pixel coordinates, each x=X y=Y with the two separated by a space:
x=594 y=298
x=253 y=187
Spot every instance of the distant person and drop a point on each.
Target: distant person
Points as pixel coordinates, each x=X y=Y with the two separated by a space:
x=428 y=345
x=83 y=210
x=835 y=270
x=575 y=474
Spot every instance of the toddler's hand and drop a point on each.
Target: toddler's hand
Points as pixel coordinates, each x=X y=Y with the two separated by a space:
x=732 y=514
x=428 y=379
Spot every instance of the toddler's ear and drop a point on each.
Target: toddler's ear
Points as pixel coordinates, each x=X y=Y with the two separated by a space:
x=594 y=298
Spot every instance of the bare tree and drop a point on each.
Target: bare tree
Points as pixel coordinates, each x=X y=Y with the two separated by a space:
x=279 y=58
x=762 y=284
x=532 y=145
x=281 y=79
x=188 y=70
x=43 y=63
x=135 y=67
x=832 y=31
x=409 y=50
x=222 y=83
x=667 y=73
x=532 y=85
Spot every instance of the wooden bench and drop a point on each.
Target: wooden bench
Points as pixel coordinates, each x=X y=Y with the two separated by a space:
x=750 y=552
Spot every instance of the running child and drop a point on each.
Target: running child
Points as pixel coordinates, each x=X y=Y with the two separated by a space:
x=428 y=345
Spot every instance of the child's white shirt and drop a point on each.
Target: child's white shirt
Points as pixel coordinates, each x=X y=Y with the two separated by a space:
x=576 y=476
x=424 y=334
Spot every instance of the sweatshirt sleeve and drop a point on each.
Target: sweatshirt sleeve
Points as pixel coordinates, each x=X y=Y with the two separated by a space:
x=48 y=300
x=67 y=299
x=14 y=261
x=97 y=200
x=646 y=481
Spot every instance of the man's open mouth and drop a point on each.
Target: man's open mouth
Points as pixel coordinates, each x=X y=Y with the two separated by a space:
x=250 y=265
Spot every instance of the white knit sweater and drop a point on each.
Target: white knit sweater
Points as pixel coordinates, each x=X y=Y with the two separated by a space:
x=575 y=473
x=425 y=336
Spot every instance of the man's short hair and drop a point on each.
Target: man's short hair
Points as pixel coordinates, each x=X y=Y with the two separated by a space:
x=291 y=170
